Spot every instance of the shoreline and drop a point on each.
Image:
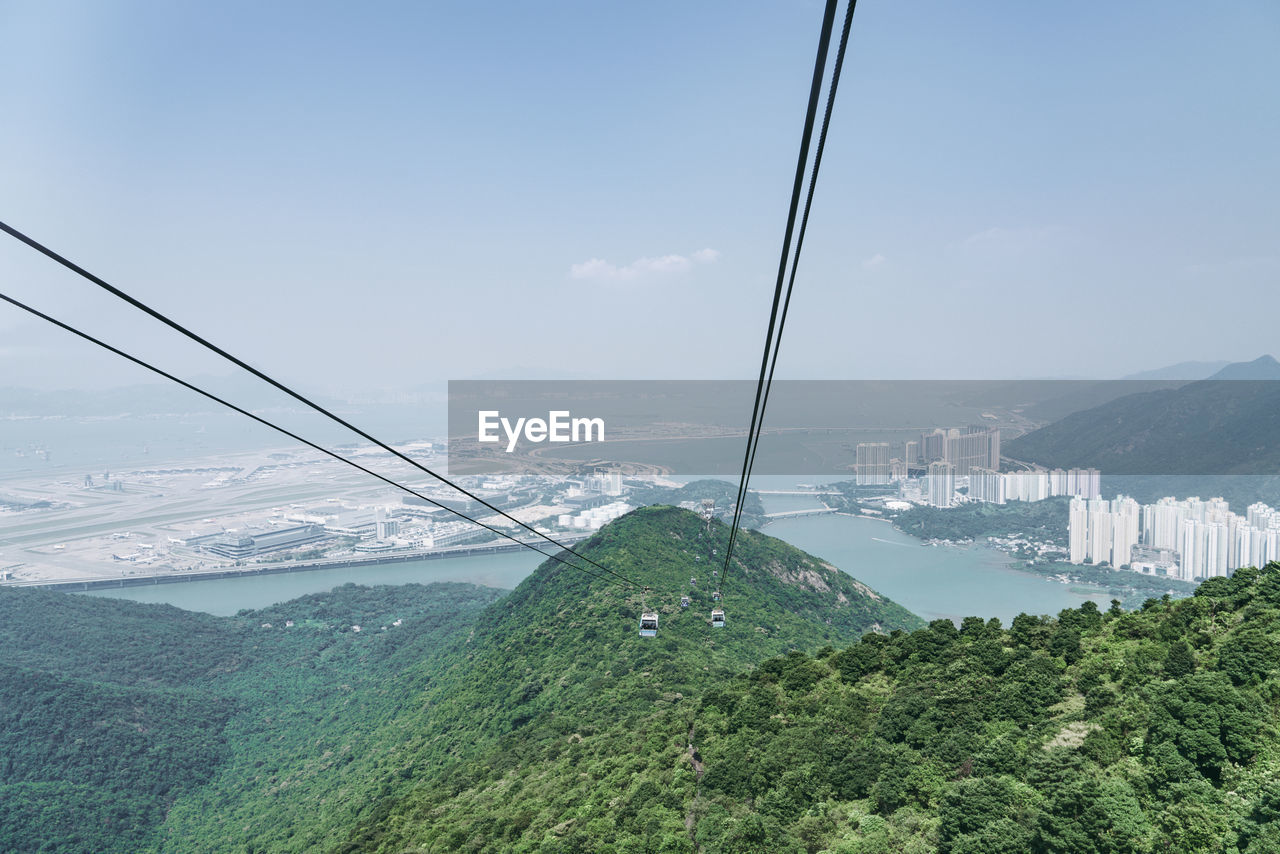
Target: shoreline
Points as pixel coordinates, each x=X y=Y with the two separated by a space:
x=282 y=568
x=1010 y=562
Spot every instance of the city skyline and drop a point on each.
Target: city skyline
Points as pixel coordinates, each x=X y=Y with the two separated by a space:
x=1186 y=539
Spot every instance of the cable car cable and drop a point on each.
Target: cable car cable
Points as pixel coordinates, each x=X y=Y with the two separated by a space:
x=173 y=324
x=804 y=220
x=141 y=362
x=753 y=438
x=815 y=90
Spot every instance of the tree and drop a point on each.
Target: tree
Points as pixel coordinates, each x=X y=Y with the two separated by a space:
x=1180 y=661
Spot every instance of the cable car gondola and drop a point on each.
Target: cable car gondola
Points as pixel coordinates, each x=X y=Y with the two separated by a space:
x=684 y=601
x=717 y=618
x=648 y=625
x=716 y=596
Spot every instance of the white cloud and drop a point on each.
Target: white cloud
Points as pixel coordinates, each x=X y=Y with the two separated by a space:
x=876 y=260
x=599 y=269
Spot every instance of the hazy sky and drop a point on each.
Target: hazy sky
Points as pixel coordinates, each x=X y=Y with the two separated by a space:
x=392 y=194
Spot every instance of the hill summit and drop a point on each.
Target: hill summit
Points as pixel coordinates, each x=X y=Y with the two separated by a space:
x=327 y=739
x=1261 y=368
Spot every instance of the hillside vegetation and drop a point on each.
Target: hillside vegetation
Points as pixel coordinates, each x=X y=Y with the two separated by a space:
x=111 y=711
x=1212 y=427
x=558 y=657
x=540 y=721
x=1147 y=731
x=131 y=727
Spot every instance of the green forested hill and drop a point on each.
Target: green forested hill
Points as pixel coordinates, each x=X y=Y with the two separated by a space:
x=559 y=655
x=540 y=721
x=129 y=727
x=112 y=711
x=1149 y=731
x=1146 y=731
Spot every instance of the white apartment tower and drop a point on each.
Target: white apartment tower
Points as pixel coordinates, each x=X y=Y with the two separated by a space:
x=940 y=484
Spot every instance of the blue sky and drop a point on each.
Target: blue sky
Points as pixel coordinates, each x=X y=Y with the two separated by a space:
x=396 y=194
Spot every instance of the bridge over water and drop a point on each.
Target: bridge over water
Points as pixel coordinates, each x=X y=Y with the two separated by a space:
x=796 y=514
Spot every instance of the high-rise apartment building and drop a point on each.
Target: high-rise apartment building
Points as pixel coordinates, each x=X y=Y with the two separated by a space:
x=911 y=453
x=1039 y=485
x=977 y=446
x=987 y=485
x=1197 y=539
x=940 y=484
x=1078 y=531
x=872 y=464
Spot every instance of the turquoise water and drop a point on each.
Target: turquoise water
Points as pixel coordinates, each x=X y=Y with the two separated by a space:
x=931 y=581
x=226 y=596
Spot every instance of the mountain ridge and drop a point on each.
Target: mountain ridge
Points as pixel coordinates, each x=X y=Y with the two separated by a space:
x=1188 y=371
x=1264 y=367
x=1209 y=427
x=559 y=655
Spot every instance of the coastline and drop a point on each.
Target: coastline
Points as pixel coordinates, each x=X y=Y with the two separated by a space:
x=109 y=582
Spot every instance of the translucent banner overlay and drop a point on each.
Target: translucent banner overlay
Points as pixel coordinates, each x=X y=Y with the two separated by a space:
x=870 y=429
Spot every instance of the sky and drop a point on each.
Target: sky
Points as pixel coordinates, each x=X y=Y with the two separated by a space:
x=389 y=195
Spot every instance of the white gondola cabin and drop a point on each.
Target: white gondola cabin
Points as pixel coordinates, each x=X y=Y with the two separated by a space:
x=717 y=618
x=648 y=625
x=684 y=601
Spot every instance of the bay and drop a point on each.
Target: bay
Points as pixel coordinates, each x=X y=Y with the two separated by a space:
x=226 y=596
x=933 y=581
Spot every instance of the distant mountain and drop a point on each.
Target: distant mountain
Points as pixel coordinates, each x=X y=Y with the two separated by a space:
x=1189 y=371
x=1202 y=428
x=1076 y=396
x=1261 y=368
